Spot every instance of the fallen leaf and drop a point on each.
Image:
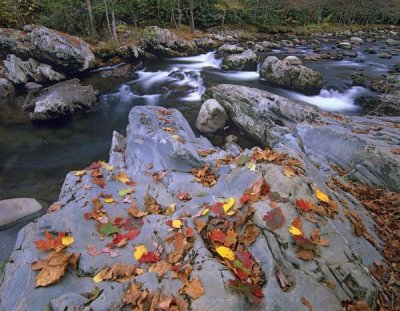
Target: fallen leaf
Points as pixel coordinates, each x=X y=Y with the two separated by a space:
x=225 y=252
x=305 y=254
x=151 y=205
x=79 y=173
x=395 y=150
x=170 y=209
x=228 y=204
x=123 y=192
x=305 y=302
x=139 y=251
x=176 y=223
x=274 y=219
x=321 y=196
x=54 y=267
x=56 y=206
x=250 y=234
x=67 y=240
x=50 y=242
x=303 y=205
x=135 y=212
x=106 y=166
x=108 y=229
x=109 y=200
x=149 y=257
x=92 y=250
x=288 y=171
x=193 y=289
x=184 y=196
x=199 y=224
x=253 y=293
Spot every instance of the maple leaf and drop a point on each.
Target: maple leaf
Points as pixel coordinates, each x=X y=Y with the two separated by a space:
x=296 y=228
x=151 y=205
x=288 y=171
x=242 y=160
x=245 y=198
x=184 y=196
x=305 y=254
x=193 y=289
x=119 y=272
x=161 y=267
x=228 y=204
x=135 y=212
x=51 y=242
x=92 y=250
x=157 y=176
x=205 y=176
x=53 y=267
x=54 y=207
x=253 y=293
x=123 y=192
x=307 y=303
x=274 y=219
x=140 y=250
x=216 y=208
x=149 y=257
x=199 y=224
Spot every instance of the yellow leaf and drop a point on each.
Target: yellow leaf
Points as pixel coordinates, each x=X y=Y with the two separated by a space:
x=205 y=211
x=79 y=173
x=122 y=177
x=295 y=231
x=67 y=240
x=228 y=204
x=170 y=209
x=321 y=196
x=251 y=166
x=288 y=171
x=176 y=223
x=106 y=166
x=225 y=252
x=139 y=251
x=99 y=277
x=109 y=200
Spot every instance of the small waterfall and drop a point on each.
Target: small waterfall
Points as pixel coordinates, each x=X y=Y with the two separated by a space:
x=332 y=100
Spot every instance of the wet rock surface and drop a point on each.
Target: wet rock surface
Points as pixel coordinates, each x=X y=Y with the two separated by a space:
x=62 y=100
x=244 y=61
x=296 y=77
x=13 y=210
x=162 y=138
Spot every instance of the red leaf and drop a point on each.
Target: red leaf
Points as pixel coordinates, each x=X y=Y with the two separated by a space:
x=303 y=205
x=217 y=236
x=149 y=257
x=118 y=221
x=131 y=234
x=245 y=258
x=189 y=231
x=184 y=196
x=217 y=208
x=49 y=242
x=245 y=198
x=274 y=219
x=252 y=292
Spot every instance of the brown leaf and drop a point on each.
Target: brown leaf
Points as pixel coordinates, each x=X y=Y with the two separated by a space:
x=184 y=196
x=250 y=234
x=151 y=205
x=193 y=289
x=307 y=303
x=199 y=224
x=119 y=272
x=395 y=150
x=135 y=212
x=305 y=254
x=157 y=176
x=54 y=207
x=53 y=268
x=288 y=171
x=205 y=176
x=161 y=268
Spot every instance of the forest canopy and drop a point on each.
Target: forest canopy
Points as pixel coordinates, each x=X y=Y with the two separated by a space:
x=88 y=17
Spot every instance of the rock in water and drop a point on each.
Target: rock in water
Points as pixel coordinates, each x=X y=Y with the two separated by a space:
x=65 y=52
x=244 y=61
x=230 y=49
x=284 y=74
x=63 y=99
x=13 y=210
x=212 y=117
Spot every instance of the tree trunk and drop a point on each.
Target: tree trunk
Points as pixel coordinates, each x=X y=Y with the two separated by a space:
x=91 y=18
x=191 y=8
x=179 y=13
x=108 y=19
x=114 y=27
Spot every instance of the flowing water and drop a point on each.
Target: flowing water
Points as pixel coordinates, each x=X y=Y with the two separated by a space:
x=34 y=159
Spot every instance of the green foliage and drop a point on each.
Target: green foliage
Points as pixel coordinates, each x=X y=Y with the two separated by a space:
x=267 y=15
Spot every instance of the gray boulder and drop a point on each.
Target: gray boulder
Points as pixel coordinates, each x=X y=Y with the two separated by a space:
x=212 y=117
x=65 y=52
x=63 y=99
x=13 y=210
x=244 y=61
x=350 y=53
x=21 y=72
x=392 y=42
x=228 y=48
x=385 y=55
x=297 y=77
x=6 y=87
x=356 y=40
x=163 y=42
x=344 y=45
x=293 y=60
x=382 y=104
x=206 y=44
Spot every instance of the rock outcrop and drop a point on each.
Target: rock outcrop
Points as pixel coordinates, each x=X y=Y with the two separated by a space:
x=62 y=100
x=295 y=77
x=163 y=42
x=66 y=53
x=158 y=153
x=244 y=61
x=22 y=72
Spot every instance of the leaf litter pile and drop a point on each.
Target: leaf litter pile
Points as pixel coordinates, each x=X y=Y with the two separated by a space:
x=225 y=226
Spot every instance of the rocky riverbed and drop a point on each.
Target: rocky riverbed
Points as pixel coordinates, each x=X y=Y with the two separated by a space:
x=176 y=221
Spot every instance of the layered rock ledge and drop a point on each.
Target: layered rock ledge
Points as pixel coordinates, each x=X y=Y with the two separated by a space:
x=149 y=184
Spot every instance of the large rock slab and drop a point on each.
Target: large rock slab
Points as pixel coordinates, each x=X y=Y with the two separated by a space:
x=65 y=52
x=295 y=77
x=62 y=100
x=13 y=210
x=163 y=138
